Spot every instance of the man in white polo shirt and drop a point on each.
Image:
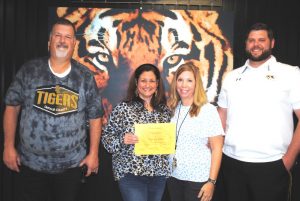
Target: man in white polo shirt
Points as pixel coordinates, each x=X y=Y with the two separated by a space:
x=256 y=106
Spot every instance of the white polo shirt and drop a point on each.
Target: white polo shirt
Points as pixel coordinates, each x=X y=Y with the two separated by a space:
x=260 y=103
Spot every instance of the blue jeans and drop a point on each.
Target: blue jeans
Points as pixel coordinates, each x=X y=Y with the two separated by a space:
x=142 y=188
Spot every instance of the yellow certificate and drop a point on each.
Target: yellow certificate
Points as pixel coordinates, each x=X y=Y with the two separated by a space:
x=155 y=138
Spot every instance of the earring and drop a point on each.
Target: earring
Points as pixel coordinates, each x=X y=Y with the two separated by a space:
x=136 y=93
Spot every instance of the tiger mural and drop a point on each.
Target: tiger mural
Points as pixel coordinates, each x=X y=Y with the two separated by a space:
x=113 y=42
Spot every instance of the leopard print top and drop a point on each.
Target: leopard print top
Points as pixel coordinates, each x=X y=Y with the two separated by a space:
x=121 y=121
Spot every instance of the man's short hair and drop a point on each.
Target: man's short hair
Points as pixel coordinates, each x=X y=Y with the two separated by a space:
x=261 y=26
x=63 y=21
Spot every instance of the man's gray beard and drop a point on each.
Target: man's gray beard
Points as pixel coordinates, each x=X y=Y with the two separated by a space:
x=61 y=54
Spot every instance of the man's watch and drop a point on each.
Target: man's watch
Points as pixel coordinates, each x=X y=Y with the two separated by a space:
x=213 y=181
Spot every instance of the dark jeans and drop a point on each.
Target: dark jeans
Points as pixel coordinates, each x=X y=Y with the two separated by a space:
x=296 y=181
x=245 y=181
x=38 y=186
x=183 y=190
x=142 y=188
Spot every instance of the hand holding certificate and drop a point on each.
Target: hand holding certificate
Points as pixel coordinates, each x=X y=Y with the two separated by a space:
x=155 y=138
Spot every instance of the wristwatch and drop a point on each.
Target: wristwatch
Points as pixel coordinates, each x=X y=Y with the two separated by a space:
x=213 y=181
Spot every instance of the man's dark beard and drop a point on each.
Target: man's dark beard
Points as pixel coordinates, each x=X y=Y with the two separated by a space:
x=262 y=57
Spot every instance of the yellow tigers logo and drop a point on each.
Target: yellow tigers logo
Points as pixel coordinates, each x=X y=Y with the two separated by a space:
x=113 y=42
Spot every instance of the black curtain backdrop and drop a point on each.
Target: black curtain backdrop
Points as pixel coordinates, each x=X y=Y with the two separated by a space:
x=24 y=35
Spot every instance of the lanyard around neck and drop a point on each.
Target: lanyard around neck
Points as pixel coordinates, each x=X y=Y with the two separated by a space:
x=178 y=131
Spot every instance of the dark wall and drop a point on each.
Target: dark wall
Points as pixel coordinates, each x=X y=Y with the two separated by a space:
x=24 y=35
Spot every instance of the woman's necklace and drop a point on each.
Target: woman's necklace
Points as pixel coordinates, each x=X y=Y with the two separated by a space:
x=148 y=106
x=174 y=164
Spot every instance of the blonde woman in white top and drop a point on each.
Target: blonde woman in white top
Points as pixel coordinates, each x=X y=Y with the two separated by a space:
x=199 y=138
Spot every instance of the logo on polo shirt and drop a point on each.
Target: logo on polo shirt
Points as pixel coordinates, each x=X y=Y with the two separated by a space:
x=56 y=99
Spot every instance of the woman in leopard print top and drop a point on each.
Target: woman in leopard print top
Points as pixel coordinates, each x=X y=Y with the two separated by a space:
x=139 y=177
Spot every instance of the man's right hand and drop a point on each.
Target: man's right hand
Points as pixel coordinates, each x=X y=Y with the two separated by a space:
x=10 y=155
x=11 y=158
